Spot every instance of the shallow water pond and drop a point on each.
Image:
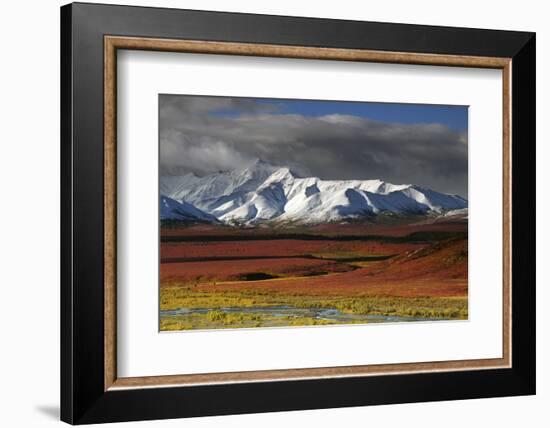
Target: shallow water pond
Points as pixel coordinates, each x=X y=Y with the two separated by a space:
x=269 y=316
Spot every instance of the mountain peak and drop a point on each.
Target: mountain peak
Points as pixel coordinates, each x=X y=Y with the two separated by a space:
x=263 y=192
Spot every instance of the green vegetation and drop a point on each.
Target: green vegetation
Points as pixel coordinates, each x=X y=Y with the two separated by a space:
x=351 y=256
x=307 y=235
x=218 y=319
x=184 y=297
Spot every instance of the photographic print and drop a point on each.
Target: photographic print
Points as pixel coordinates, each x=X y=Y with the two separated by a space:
x=287 y=212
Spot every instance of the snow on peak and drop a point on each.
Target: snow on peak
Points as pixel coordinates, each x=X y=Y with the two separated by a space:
x=262 y=192
x=171 y=209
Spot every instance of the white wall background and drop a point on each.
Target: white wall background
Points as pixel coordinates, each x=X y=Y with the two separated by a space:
x=29 y=214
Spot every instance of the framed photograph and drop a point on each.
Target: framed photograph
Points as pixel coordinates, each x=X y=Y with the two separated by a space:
x=266 y=213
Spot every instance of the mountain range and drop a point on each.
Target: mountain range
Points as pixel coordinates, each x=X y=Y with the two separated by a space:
x=262 y=192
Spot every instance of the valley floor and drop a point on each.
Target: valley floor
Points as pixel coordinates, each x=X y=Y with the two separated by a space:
x=227 y=278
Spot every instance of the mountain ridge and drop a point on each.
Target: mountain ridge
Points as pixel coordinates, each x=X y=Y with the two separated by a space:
x=261 y=192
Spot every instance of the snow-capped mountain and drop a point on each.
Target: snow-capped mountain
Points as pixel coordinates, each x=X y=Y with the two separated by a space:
x=171 y=209
x=262 y=192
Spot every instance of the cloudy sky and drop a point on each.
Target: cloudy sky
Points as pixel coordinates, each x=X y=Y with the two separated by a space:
x=398 y=143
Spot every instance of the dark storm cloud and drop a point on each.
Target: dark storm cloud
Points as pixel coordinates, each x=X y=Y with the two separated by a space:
x=173 y=106
x=208 y=134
